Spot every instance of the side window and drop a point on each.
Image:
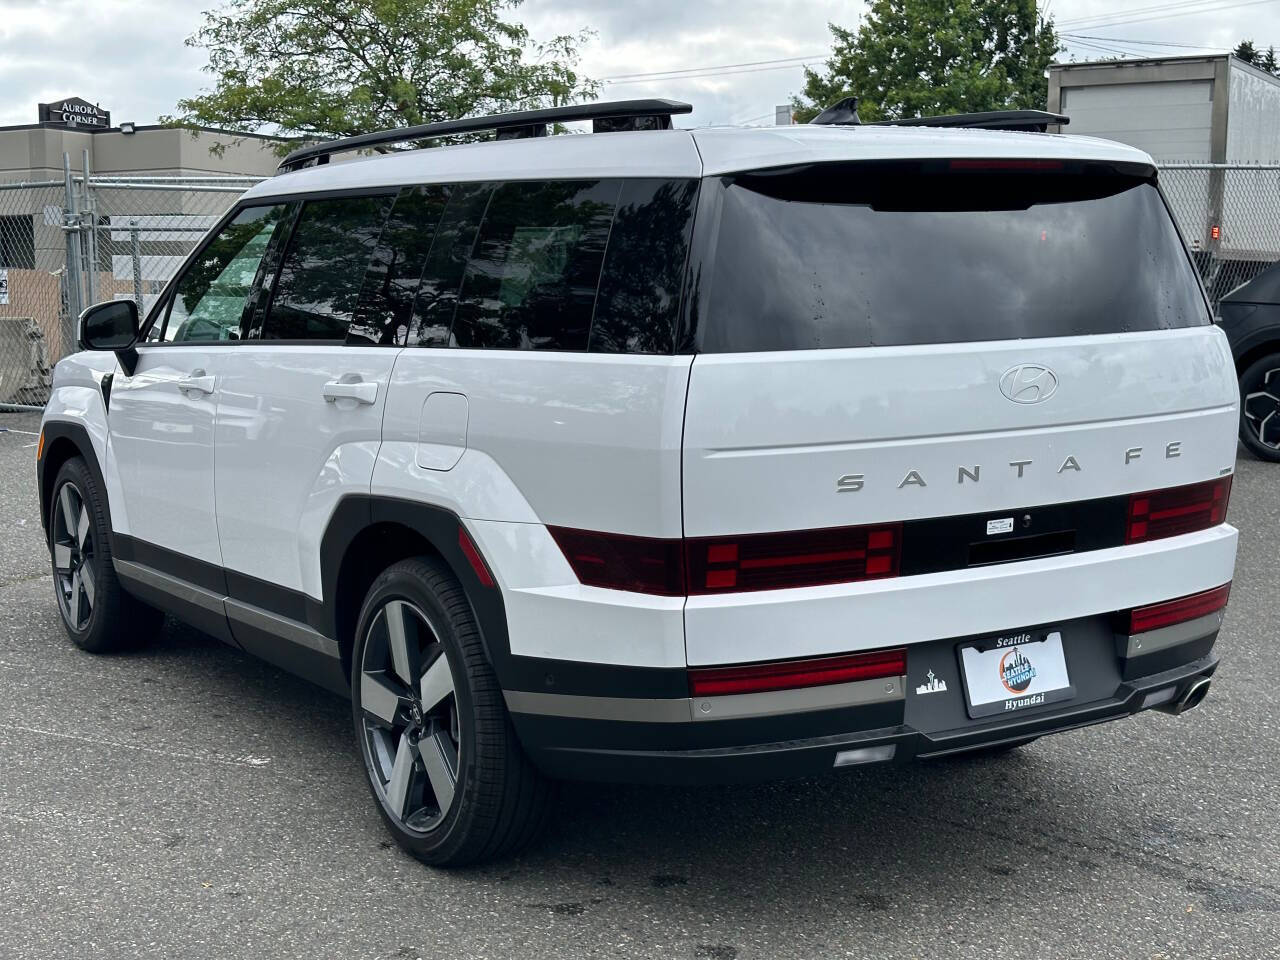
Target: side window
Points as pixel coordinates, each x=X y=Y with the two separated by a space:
x=210 y=296
x=643 y=269
x=531 y=281
x=319 y=284
x=447 y=261
x=385 y=309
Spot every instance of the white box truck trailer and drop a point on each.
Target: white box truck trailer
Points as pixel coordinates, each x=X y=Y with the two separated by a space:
x=1217 y=113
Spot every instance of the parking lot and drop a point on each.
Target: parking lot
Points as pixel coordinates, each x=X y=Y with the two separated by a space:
x=188 y=801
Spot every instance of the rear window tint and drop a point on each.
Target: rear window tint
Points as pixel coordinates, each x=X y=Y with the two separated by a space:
x=385 y=310
x=437 y=298
x=869 y=255
x=320 y=278
x=640 y=283
x=532 y=278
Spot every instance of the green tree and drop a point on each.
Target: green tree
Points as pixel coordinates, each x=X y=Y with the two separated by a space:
x=913 y=58
x=314 y=69
x=1262 y=59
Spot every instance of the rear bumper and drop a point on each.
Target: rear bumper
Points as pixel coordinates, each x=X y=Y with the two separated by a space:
x=674 y=740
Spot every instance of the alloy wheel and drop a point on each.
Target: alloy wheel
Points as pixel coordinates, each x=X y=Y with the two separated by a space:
x=73 y=554
x=411 y=730
x=1262 y=410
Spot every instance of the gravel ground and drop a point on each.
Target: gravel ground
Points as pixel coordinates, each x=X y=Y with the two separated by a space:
x=188 y=801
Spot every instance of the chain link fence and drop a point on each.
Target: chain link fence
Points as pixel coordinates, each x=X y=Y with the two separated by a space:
x=1230 y=216
x=66 y=244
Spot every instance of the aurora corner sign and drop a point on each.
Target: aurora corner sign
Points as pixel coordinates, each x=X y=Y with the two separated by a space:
x=75 y=113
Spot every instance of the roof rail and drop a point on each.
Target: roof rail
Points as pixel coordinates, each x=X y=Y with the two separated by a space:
x=652 y=114
x=1027 y=120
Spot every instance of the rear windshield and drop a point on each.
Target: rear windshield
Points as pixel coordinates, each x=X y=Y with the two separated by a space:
x=854 y=255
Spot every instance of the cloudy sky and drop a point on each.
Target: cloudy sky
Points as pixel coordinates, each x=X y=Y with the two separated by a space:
x=129 y=55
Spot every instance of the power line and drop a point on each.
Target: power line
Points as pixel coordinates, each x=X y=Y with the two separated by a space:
x=1144 y=43
x=1214 y=8
x=1154 y=8
x=659 y=74
x=711 y=73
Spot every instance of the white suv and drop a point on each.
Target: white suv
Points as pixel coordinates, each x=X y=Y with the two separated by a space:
x=666 y=455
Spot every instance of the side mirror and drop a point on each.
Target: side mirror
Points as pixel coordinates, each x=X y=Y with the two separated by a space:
x=112 y=326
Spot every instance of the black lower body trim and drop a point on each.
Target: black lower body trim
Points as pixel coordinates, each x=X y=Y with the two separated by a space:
x=932 y=720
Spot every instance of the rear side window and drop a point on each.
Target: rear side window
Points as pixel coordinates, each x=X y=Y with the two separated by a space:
x=531 y=281
x=385 y=310
x=320 y=278
x=640 y=284
x=853 y=255
x=437 y=299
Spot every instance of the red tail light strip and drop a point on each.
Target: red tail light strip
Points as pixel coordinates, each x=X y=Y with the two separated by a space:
x=791 y=674
x=1168 y=513
x=1182 y=609
x=766 y=561
x=810 y=558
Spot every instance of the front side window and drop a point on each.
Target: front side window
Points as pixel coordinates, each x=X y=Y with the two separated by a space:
x=210 y=296
x=324 y=267
x=531 y=281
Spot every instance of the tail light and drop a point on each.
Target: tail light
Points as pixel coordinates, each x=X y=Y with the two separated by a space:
x=791 y=674
x=1169 y=612
x=804 y=558
x=766 y=561
x=1168 y=513
x=639 y=564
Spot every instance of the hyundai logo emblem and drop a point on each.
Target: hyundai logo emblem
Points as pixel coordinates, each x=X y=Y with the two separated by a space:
x=1028 y=383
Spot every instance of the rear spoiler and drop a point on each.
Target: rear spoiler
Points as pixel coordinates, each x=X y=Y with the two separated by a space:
x=1032 y=121
x=844 y=113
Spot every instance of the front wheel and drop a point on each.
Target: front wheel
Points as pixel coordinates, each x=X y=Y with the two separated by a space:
x=446 y=770
x=1260 y=408
x=97 y=613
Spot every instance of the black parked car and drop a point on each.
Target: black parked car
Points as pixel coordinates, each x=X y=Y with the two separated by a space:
x=1250 y=316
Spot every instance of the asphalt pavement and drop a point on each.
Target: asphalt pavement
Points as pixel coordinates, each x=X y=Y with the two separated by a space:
x=189 y=801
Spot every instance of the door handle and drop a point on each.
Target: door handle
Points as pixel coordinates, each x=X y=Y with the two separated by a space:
x=199 y=383
x=350 y=387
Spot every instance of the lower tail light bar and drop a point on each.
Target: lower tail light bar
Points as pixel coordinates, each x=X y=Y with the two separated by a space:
x=792 y=674
x=1169 y=612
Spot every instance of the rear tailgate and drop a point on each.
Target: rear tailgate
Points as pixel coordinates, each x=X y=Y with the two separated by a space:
x=953 y=346
x=769 y=436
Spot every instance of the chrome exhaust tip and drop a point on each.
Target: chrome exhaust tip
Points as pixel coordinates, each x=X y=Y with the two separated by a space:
x=1192 y=697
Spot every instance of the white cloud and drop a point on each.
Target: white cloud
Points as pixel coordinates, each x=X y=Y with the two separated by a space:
x=129 y=54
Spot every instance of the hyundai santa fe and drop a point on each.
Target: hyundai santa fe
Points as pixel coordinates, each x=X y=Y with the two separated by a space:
x=666 y=455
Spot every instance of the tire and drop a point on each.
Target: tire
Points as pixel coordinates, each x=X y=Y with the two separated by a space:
x=443 y=763
x=97 y=613
x=1260 y=408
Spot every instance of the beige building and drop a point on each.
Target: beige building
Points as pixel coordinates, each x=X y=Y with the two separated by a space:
x=134 y=230
x=34 y=151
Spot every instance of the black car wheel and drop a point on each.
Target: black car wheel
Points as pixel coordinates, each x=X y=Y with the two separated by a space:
x=1260 y=408
x=99 y=616
x=446 y=770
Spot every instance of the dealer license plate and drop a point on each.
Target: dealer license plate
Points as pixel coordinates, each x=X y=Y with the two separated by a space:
x=1016 y=672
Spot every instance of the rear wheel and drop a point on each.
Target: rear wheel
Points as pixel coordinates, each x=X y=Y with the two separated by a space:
x=449 y=777
x=1260 y=408
x=97 y=613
